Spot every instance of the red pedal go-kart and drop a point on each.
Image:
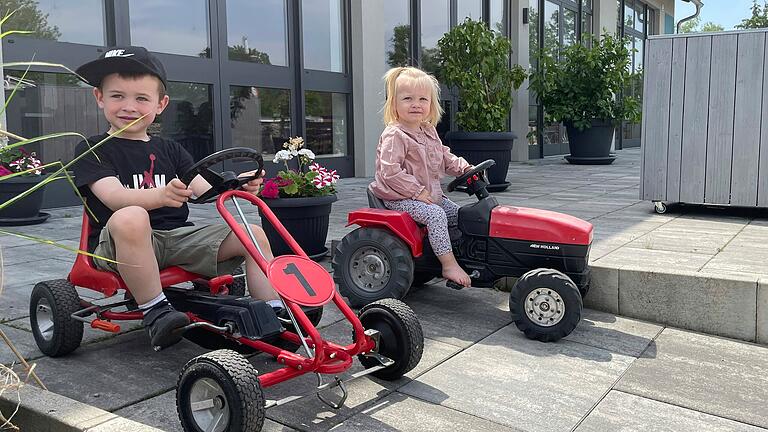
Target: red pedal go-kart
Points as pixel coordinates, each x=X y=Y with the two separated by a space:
x=547 y=251
x=221 y=390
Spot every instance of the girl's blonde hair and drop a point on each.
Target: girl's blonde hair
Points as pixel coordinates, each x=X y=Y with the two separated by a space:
x=414 y=77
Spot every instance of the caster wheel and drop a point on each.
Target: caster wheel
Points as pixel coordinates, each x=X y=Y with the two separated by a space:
x=400 y=337
x=220 y=391
x=51 y=305
x=659 y=207
x=370 y=264
x=545 y=305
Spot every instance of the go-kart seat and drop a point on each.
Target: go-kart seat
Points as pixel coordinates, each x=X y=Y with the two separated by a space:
x=374 y=201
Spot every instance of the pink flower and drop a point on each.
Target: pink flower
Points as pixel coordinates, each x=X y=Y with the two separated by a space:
x=4 y=171
x=270 y=189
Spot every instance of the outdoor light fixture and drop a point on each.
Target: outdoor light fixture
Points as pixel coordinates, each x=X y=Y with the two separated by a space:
x=525 y=15
x=699 y=5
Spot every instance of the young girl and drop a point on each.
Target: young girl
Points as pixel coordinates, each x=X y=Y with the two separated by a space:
x=410 y=159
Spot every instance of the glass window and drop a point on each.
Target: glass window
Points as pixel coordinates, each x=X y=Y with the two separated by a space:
x=45 y=103
x=176 y=27
x=435 y=22
x=57 y=20
x=326 y=123
x=640 y=17
x=533 y=33
x=257 y=32
x=469 y=9
x=586 y=23
x=397 y=33
x=323 y=35
x=569 y=27
x=498 y=19
x=260 y=117
x=629 y=14
x=551 y=24
x=188 y=119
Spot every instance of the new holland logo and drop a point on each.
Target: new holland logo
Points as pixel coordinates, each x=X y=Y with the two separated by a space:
x=543 y=246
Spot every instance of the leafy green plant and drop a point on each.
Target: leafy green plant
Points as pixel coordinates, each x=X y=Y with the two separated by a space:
x=475 y=60
x=582 y=82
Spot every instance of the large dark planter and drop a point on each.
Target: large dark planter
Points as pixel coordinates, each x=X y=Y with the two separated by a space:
x=476 y=147
x=27 y=210
x=592 y=146
x=306 y=219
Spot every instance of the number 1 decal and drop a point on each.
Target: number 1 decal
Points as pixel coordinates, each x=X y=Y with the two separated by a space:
x=291 y=269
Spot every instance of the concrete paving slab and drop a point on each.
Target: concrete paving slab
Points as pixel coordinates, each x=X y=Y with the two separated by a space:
x=626 y=412
x=724 y=307
x=537 y=379
x=603 y=289
x=671 y=239
x=38 y=252
x=160 y=412
x=708 y=224
x=647 y=258
x=18 y=281
x=117 y=372
x=762 y=311
x=397 y=412
x=614 y=333
x=698 y=372
x=738 y=261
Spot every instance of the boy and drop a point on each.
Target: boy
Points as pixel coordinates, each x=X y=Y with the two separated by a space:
x=134 y=191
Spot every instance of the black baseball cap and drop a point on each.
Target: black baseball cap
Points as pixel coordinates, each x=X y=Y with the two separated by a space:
x=122 y=59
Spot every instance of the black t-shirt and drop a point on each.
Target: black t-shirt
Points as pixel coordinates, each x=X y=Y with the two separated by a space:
x=138 y=165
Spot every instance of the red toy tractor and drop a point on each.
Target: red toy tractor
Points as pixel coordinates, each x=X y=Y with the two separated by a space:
x=547 y=251
x=221 y=390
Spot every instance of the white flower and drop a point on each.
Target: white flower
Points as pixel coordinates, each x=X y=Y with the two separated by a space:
x=282 y=155
x=307 y=153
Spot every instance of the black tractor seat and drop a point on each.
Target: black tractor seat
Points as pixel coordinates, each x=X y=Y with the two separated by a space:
x=374 y=201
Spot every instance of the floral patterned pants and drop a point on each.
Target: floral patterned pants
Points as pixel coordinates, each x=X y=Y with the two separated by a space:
x=437 y=218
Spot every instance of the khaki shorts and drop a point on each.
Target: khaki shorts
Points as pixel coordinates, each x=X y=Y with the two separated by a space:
x=192 y=248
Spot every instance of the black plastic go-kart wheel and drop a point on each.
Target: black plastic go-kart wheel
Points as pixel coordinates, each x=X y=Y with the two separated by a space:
x=400 y=337
x=51 y=305
x=314 y=314
x=545 y=305
x=220 y=391
x=370 y=264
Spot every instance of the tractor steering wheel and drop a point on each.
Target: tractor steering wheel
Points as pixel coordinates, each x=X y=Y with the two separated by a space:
x=226 y=180
x=462 y=180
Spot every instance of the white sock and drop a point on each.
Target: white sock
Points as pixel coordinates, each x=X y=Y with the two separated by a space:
x=148 y=305
x=275 y=303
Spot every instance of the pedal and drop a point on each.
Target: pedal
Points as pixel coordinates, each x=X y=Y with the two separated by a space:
x=337 y=383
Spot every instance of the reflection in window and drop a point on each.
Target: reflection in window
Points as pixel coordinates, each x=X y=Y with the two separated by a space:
x=569 y=27
x=498 y=19
x=586 y=23
x=469 y=9
x=173 y=26
x=326 y=123
x=435 y=22
x=188 y=119
x=261 y=118
x=45 y=103
x=57 y=20
x=397 y=33
x=551 y=24
x=256 y=32
x=629 y=15
x=323 y=35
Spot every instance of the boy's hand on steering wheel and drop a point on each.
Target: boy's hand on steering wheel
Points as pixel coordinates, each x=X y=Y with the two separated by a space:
x=254 y=185
x=174 y=193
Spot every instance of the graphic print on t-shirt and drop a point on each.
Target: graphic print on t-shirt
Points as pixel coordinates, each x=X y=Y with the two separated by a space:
x=148 y=179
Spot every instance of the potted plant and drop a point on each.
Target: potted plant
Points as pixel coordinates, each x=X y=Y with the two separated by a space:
x=301 y=198
x=20 y=171
x=581 y=85
x=475 y=61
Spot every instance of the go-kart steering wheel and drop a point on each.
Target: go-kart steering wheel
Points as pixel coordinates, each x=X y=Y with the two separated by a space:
x=478 y=169
x=226 y=180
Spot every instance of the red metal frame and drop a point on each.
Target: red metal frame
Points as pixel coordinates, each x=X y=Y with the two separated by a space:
x=329 y=358
x=399 y=223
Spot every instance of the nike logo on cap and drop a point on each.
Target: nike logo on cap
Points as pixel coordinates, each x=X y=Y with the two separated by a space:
x=117 y=53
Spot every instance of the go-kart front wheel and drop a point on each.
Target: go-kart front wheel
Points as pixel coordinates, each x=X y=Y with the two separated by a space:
x=370 y=264
x=51 y=306
x=400 y=337
x=545 y=305
x=220 y=391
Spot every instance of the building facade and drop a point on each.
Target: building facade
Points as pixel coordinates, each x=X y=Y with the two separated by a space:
x=253 y=72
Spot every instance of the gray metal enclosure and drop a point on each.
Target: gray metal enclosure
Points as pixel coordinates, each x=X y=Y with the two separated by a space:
x=705 y=119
